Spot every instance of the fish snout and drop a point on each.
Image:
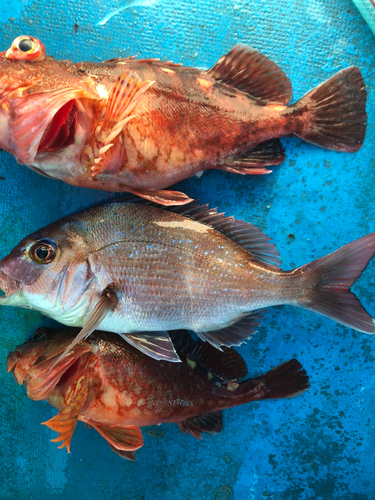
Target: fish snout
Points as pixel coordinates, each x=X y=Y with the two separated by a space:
x=12 y=359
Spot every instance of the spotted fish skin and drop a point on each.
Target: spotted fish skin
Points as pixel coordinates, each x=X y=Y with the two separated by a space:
x=143 y=125
x=113 y=387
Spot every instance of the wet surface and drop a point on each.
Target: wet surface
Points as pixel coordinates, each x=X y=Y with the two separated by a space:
x=320 y=445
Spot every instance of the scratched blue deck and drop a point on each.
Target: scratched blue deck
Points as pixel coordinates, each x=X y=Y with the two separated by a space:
x=320 y=445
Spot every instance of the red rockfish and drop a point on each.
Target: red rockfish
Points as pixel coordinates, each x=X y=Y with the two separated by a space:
x=116 y=389
x=142 y=125
x=139 y=270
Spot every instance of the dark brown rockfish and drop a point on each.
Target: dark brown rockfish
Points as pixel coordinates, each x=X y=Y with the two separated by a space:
x=142 y=125
x=116 y=389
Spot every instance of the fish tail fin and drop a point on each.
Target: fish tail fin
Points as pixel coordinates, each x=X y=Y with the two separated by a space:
x=332 y=276
x=333 y=115
x=285 y=381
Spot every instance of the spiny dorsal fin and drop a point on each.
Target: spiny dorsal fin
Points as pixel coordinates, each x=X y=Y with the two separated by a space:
x=210 y=422
x=242 y=233
x=224 y=366
x=248 y=70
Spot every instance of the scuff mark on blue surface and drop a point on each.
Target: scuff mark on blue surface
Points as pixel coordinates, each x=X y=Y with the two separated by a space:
x=127 y=5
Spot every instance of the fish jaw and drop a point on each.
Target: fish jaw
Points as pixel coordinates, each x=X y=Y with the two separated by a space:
x=32 y=365
x=44 y=123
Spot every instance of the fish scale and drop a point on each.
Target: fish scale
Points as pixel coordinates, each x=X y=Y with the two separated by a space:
x=140 y=126
x=139 y=271
x=116 y=389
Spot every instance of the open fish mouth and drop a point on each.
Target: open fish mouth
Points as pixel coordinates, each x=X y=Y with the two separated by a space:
x=60 y=132
x=38 y=376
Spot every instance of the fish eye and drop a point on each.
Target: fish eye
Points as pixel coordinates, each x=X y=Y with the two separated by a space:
x=39 y=335
x=42 y=252
x=26 y=45
x=26 y=48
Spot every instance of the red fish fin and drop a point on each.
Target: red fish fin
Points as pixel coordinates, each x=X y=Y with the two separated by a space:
x=253 y=161
x=66 y=420
x=210 y=422
x=248 y=70
x=127 y=455
x=107 y=303
x=228 y=366
x=334 y=113
x=333 y=275
x=235 y=334
x=126 y=438
x=285 y=381
x=122 y=100
x=162 y=196
x=157 y=345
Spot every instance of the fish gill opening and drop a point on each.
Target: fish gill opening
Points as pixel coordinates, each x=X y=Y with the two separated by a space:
x=60 y=133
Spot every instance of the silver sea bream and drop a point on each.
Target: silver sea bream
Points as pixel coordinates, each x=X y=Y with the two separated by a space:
x=139 y=270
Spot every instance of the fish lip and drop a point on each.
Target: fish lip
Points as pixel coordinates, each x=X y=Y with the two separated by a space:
x=8 y=285
x=11 y=361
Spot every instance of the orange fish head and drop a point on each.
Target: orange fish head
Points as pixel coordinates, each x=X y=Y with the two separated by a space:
x=45 y=107
x=26 y=48
x=32 y=362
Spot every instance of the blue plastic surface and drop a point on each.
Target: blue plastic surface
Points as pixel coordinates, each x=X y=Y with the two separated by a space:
x=320 y=445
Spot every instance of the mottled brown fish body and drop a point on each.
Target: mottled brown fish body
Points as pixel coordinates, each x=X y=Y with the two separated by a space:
x=116 y=389
x=142 y=125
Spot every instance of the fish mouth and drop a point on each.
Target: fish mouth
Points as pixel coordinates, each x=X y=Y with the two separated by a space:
x=8 y=286
x=41 y=378
x=60 y=132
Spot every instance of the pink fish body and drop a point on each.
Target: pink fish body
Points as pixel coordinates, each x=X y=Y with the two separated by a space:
x=139 y=270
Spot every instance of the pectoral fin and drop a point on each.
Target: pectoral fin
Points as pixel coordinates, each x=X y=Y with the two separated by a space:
x=157 y=345
x=126 y=438
x=107 y=303
x=122 y=99
x=66 y=420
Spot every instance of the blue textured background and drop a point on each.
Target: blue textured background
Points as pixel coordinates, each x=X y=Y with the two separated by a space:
x=320 y=445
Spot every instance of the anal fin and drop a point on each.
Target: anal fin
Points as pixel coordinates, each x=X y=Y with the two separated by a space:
x=253 y=161
x=127 y=455
x=234 y=334
x=210 y=422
